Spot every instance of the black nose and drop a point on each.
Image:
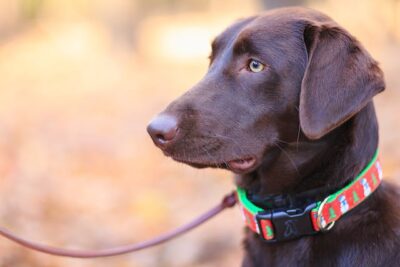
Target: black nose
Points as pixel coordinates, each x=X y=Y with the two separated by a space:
x=163 y=129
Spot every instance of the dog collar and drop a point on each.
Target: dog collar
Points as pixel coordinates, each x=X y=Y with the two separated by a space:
x=285 y=224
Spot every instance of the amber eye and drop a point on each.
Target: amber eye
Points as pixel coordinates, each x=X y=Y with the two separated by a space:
x=256 y=66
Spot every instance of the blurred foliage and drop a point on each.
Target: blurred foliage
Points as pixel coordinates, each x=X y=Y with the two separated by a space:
x=80 y=79
x=30 y=8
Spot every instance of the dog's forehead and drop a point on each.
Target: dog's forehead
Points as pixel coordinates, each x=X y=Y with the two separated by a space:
x=277 y=21
x=231 y=32
x=284 y=20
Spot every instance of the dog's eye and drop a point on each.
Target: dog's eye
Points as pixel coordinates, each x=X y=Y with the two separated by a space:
x=256 y=66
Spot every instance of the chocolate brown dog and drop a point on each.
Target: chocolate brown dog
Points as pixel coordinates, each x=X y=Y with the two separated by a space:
x=287 y=105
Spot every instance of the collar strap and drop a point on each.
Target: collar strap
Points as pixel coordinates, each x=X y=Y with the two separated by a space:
x=285 y=224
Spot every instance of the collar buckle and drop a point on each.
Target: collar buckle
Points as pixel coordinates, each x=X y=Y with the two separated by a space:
x=287 y=223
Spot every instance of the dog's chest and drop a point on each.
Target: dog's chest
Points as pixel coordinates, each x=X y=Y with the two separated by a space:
x=284 y=254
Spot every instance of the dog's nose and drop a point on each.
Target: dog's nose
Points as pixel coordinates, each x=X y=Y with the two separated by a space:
x=163 y=129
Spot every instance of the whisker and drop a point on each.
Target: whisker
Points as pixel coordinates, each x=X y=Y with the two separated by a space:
x=239 y=146
x=207 y=152
x=287 y=155
x=298 y=133
x=281 y=141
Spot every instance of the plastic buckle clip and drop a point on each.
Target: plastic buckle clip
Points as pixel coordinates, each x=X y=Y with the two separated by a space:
x=288 y=224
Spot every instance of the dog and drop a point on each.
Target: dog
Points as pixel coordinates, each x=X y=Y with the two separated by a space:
x=287 y=106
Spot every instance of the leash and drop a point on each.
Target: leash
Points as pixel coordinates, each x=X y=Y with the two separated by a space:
x=227 y=202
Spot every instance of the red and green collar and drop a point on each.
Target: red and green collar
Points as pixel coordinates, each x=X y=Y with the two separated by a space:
x=280 y=224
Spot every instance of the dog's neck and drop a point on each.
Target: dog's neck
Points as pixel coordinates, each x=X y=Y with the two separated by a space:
x=328 y=163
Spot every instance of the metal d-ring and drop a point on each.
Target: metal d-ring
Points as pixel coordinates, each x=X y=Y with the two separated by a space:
x=328 y=226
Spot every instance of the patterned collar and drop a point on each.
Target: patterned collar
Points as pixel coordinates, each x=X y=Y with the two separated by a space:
x=285 y=224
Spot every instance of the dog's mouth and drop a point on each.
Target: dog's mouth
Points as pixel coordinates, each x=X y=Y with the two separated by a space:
x=241 y=165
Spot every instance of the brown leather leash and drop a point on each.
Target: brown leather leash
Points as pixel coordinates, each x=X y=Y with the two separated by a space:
x=227 y=202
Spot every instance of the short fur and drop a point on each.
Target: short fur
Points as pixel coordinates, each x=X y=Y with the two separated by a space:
x=309 y=121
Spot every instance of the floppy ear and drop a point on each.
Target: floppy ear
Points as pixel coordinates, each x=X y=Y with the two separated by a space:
x=339 y=80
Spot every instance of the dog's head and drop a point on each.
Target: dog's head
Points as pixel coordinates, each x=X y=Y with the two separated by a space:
x=271 y=78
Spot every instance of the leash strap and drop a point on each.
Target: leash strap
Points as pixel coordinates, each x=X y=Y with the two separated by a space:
x=227 y=202
x=276 y=225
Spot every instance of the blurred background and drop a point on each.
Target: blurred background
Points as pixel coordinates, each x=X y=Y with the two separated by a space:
x=80 y=79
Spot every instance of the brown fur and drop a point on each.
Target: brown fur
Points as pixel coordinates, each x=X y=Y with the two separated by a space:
x=309 y=121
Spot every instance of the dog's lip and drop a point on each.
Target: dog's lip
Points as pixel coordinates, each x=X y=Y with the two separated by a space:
x=202 y=165
x=239 y=165
x=242 y=164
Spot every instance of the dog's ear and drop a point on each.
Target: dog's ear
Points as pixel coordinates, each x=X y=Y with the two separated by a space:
x=339 y=80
